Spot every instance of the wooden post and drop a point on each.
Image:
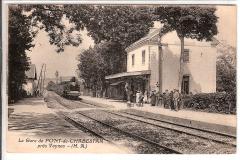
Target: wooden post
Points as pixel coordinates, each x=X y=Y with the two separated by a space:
x=160 y=64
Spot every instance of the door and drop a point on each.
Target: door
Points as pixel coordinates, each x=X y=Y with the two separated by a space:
x=185 y=85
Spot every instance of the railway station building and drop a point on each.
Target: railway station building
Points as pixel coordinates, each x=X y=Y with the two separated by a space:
x=31 y=80
x=154 y=64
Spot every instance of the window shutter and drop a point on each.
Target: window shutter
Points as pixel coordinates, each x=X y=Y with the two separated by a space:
x=186 y=55
x=143 y=57
x=133 y=59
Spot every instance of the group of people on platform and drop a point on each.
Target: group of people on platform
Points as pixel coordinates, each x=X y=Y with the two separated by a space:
x=169 y=100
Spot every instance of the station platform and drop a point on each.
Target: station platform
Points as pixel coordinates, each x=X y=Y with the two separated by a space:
x=226 y=123
x=34 y=119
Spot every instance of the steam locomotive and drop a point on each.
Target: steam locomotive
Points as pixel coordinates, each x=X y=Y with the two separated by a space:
x=67 y=89
x=71 y=90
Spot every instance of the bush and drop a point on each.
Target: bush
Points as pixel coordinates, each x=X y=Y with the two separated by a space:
x=220 y=102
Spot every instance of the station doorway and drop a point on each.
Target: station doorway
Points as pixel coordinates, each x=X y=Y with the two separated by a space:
x=185 y=84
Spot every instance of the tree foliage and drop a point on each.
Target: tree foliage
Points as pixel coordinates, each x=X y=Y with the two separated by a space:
x=93 y=67
x=97 y=62
x=20 y=39
x=194 y=22
x=113 y=28
x=118 y=24
x=52 y=19
x=226 y=69
x=24 y=23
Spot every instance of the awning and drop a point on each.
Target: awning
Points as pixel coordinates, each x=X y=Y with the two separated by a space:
x=128 y=74
x=116 y=83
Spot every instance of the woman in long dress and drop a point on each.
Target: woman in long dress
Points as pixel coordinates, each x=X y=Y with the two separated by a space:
x=153 y=98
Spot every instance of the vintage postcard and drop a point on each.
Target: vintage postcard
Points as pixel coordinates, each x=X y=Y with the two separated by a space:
x=120 y=78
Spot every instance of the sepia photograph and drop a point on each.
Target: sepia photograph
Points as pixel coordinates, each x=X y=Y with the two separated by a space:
x=121 y=78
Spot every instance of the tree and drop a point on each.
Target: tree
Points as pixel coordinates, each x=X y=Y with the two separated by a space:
x=189 y=22
x=24 y=23
x=52 y=18
x=226 y=69
x=119 y=26
x=93 y=68
x=20 y=39
x=113 y=28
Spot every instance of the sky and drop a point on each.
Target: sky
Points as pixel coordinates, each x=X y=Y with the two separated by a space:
x=66 y=62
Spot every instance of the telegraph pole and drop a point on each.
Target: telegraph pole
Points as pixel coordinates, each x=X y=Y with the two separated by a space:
x=39 y=79
x=44 y=74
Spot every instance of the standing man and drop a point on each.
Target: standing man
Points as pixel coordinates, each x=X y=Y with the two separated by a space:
x=176 y=97
x=157 y=94
x=160 y=101
x=141 y=97
x=138 y=98
x=157 y=98
x=164 y=99
x=127 y=90
x=171 y=101
x=180 y=100
x=167 y=99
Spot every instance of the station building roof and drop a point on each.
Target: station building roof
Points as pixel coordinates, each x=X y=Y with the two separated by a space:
x=128 y=74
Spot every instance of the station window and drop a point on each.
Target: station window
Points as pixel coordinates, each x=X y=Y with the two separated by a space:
x=186 y=55
x=143 y=57
x=133 y=59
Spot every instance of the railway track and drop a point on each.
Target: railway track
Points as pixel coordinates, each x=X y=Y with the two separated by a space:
x=181 y=125
x=133 y=135
x=182 y=129
x=201 y=133
x=215 y=136
x=81 y=126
